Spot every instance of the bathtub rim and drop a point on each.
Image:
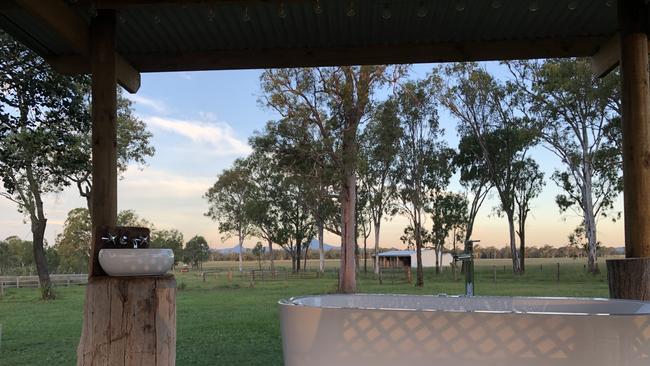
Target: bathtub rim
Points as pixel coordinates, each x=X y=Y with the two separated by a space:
x=290 y=302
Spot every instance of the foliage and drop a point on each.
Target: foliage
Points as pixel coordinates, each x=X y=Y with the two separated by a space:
x=424 y=164
x=496 y=138
x=196 y=251
x=73 y=243
x=448 y=212
x=329 y=103
x=228 y=199
x=581 y=125
x=168 y=238
x=41 y=113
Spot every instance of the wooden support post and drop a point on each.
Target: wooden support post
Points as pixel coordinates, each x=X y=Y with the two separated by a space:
x=129 y=321
x=636 y=155
x=104 y=129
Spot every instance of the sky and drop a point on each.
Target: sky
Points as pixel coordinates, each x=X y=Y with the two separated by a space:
x=201 y=122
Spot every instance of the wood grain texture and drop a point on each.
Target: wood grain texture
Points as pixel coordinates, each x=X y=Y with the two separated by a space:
x=129 y=321
x=629 y=278
x=104 y=130
x=636 y=127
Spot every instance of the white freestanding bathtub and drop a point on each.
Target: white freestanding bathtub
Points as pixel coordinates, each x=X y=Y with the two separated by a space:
x=405 y=330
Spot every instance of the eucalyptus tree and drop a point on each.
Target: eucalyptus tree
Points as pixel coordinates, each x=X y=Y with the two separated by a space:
x=474 y=178
x=228 y=199
x=424 y=164
x=133 y=146
x=487 y=110
x=529 y=181
x=448 y=211
x=578 y=112
x=40 y=113
x=380 y=142
x=333 y=102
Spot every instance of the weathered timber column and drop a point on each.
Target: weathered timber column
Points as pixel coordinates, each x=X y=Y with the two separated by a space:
x=630 y=277
x=127 y=320
x=104 y=128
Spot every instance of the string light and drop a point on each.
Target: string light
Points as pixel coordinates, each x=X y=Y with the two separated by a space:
x=350 y=11
x=460 y=5
x=496 y=4
x=211 y=15
x=572 y=5
x=386 y=14
x=534 y=6
x=317 y=7
x=245 y=17
x=282 y=11
x=422 y=10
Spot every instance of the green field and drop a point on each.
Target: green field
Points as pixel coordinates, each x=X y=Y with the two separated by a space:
x=232 y=323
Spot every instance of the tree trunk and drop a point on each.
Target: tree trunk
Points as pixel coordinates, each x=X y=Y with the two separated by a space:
x=347 y=276
x=271 y=255
x=38 y=234
x=304 y=266
x=365 y=253
x=513 y=244
x=437 y=262
x=377 y=228
x=590 y=223
x=298 y=255
x=241 y=249
x=419 y=282
x=129 y=321
x=522 y=244
x=321 y=248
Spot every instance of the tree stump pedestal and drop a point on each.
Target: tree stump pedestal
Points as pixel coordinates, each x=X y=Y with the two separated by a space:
x=129 y=321
x=629 y=278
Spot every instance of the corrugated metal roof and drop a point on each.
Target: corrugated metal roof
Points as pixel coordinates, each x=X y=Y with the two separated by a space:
x=397 y=253
x=225 y=26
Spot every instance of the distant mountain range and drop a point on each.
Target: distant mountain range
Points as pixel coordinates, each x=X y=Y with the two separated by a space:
x=313 y=246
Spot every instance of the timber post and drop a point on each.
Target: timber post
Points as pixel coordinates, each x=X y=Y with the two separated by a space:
x=629 y=278
x=127 y=320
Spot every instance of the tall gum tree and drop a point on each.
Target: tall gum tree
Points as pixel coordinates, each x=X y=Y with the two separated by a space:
x=379 y=148
x=424 y=161
x=227 y=203
x=577 y=111
x=334 y=100
x=496 y=136
x=40 y=113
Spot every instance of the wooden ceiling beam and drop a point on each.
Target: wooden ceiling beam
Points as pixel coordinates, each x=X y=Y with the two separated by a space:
x=369 y=55
x=608 y=57
x=122 y=4
x=74 y=30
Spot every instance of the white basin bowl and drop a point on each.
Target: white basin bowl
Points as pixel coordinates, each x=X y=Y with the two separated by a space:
x=136 y=262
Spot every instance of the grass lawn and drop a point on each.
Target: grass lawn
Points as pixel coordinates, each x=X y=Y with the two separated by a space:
x=231 y=323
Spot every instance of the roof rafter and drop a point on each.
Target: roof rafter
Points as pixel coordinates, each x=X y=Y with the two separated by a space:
x=74 y=30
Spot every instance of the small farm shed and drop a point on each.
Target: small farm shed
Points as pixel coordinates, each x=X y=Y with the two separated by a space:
x=408 y=258
x=116 y=40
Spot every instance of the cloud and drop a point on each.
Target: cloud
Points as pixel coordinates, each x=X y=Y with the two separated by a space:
x=219 y=137
x=160 y=183
x=156 y=105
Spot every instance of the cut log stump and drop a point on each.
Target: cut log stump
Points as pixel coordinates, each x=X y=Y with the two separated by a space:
x=629 y=278
x=129 y=321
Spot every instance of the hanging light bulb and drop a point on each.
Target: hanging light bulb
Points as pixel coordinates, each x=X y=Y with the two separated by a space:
x=211 y=15
x=386 y=14
x=572 y=5
x=156 y=19
x=282 y=11
x=496 y=4
x=245 y=17
x=350 y=11
x=609 y=3
x=460 y=5
x=317 y=7
x=422 y=10
x=534 y=6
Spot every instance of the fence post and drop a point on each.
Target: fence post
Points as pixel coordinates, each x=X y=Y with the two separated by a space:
x=17 y=281
x=68 y=281
x=494 y=273
x=540 y=268
x=558 y=272
x=229 y=276
x=203 y=276
x=381 y=282
x=504 y=269
x=2 y=289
